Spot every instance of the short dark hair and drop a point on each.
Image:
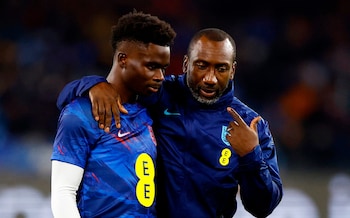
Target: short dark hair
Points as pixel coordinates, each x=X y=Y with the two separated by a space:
x=213 y=34
x=144 y=28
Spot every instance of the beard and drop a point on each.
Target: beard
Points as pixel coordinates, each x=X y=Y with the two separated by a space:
x=195 y=90
x=203 y=100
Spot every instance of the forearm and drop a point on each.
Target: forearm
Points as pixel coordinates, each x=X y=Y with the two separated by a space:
x=65 y=181
x=260 y=183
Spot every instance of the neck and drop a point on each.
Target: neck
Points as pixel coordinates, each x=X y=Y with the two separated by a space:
x=125 y=94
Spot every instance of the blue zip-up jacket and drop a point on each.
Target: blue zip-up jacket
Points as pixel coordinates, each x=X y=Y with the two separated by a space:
x=198 y=173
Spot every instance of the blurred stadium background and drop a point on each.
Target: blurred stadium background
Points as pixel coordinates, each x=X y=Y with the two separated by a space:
x=293 y=68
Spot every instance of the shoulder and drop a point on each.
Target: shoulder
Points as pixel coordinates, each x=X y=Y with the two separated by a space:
x=171 y=87
x=170 y=78
x=173 y=79
x=78 y=105
x=174 y=84
x=246 y=112
x=242 y=107
x=76 y=112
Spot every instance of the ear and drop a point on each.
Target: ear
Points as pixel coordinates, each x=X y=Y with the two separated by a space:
x=185 y=64
x=122 y=59
x=233 y=70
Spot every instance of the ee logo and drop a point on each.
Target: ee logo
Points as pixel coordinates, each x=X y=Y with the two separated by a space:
x=224 y=159
x=145 y=188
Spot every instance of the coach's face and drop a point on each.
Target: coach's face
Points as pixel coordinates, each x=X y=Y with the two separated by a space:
x=209 y=68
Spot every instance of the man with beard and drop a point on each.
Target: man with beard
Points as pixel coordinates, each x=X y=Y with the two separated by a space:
x=210 y=144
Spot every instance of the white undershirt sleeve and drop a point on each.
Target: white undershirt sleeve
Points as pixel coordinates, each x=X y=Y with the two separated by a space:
x=65 y=181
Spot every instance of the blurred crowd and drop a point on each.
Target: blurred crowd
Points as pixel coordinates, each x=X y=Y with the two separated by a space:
x=293 y=65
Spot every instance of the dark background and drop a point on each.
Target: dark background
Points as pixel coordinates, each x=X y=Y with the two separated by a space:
x=293 y=68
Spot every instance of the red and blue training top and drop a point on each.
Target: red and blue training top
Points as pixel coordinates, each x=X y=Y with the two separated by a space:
x=119 y=166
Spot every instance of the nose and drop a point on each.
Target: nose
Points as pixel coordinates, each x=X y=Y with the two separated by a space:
x=159 y=75
x=210 y=77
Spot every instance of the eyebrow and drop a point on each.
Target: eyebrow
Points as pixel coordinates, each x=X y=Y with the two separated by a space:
x=158 y=65
x=206 y=62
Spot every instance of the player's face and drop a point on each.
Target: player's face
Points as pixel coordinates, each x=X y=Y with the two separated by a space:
x=209 y=69
x=146 y=67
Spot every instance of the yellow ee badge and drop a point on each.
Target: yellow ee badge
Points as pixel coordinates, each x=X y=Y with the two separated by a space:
x=145 y=188
x=225 y=157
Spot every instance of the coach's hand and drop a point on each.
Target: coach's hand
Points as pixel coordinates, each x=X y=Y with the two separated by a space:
x=242 y=138
x=106 y=103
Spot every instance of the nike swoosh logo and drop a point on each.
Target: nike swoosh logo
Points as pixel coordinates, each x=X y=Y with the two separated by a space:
x=166 y=112
x=120 y=134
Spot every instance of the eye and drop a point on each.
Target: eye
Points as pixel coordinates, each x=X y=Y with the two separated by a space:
x=163 y=69
x=201 y=66
x=151 y=67
x=221 y=68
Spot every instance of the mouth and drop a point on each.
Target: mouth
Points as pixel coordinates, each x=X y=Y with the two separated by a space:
x=207 y=93
x=154 y=88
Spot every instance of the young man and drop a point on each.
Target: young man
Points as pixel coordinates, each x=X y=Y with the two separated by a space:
x=204 y=156
x=99 y=174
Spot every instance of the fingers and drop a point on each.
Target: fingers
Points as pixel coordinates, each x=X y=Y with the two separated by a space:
x=121 y=107
x=98 y=112
x=238 y=119
x=101 y=113
x=107 y=118
x=228 y=134
x=106 y=105
x=94 y=106
x=254 y=123
x=116 y=112
x=112 y=109
x=116 y=116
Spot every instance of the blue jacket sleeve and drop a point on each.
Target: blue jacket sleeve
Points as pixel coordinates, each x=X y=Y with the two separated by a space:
x=259 y=179
x=76 y=89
